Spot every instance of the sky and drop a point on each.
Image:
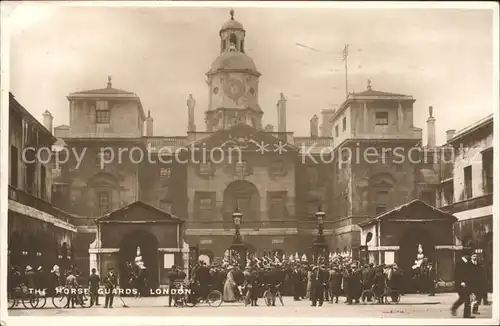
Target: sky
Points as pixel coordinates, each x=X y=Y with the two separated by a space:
x=442 y=57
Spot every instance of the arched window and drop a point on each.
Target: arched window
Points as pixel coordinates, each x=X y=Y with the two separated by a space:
x=242 y=46
x=233 y=43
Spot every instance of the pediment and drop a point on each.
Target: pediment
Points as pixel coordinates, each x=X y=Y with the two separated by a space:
x=245 y=138
x=413 y=211
x=417 y=209
x=138 y=212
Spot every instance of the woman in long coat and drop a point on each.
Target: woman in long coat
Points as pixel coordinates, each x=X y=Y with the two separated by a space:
x=228 y=294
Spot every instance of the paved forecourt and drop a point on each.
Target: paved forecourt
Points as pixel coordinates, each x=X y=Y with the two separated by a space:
x=414 y=306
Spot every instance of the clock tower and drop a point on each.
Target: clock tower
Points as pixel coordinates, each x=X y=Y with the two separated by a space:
x=233 y=83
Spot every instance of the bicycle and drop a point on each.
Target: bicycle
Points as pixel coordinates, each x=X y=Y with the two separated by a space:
x=268 y=295
x=384 y=298
x=61 y=300
x=40 y=299
x=20 y=294
x=213 y=298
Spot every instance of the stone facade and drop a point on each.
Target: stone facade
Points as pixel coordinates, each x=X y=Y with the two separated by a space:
x=279 y=191
x=39 y=234
x=467 y=189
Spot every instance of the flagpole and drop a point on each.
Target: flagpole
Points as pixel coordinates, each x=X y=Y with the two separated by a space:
x=345 y=53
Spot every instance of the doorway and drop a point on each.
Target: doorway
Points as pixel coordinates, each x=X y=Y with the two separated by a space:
x=408 y=249
x=149 y=252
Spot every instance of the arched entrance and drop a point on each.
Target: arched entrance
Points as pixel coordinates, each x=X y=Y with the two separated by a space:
x=408 y=249
x=149 y=252
x=243 y=195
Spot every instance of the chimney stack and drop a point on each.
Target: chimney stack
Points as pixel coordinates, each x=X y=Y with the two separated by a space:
x=149 y=125
x=269 y=128
x=431 y=130
x=190 y=104
x=47 y=120
x=450 y=134
x=314 y=126
x=281 y=105
x=326 y=123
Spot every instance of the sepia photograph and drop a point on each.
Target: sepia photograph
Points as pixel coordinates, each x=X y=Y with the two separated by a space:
x=249 y=162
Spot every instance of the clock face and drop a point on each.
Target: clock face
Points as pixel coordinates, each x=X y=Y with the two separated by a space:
x=233 y=88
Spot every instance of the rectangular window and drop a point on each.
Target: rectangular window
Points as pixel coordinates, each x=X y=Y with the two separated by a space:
x=336 y=131
x=206 y=205
x=43 y=184
x=427 y=196
x=276 y=167
x=488 y=171
x=102 y=113
x=206 y=168
x=382 y=201
x=30 y=178
x=344 y=124
x=448 y=193
x=14 y=163
x=165 y=206
x=382 y=118
x=277 y=205
x=104 y=201
x=241 y=167
x=165 y=173
x=468 y=181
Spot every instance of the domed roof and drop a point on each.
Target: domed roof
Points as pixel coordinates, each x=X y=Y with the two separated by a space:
x=233 y=61
x=234 y=24
x=231 y=23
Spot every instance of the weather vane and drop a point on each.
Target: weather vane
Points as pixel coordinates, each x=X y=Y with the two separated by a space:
x=232 y=13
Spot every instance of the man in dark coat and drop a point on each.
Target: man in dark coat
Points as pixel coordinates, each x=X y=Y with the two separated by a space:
x=94 y=281
x=172 y=275
x=203 y=279
x=335 y=283
x=355 y=284
x=253 y=282
x=367 y=280
x=480 y=284
x=296 y=278
x=464 y=280
x=430 y=278
x=110 y=283
x=318 y=283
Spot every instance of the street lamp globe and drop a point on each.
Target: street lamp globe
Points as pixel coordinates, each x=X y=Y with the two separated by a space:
x=237 y=217
x=320 y=216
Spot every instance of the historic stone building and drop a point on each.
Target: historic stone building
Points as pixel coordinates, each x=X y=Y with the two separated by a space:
x=39 y=233
x=466 y=187
x=188 y=186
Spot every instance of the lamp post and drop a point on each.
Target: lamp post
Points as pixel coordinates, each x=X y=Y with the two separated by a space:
x=237 y=244
x=320 y=246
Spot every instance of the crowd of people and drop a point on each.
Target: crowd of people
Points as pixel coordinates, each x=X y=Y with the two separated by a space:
x=324 y=280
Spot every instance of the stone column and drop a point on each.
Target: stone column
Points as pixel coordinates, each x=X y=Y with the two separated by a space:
x=185 y=257
x=400 y=116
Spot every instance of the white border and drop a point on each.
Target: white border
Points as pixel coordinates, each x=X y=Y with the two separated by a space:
x=143 y=320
